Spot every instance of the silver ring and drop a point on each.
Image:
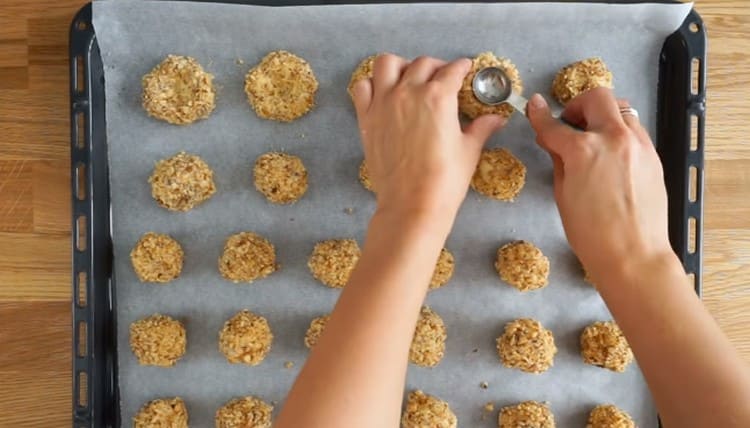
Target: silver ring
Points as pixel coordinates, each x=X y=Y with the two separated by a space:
x=629 y=111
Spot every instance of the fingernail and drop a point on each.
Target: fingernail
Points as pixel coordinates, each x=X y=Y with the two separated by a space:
x=537 y=102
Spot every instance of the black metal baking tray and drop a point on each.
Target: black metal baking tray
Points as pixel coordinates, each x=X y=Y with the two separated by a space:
x=679 y=142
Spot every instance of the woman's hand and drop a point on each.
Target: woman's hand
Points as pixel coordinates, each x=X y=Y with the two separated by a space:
x=418 y=156
x=609 y=183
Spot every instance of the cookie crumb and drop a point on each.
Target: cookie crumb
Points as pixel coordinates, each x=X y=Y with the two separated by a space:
x=349 y=210
x=484 y=385
x=288 y=365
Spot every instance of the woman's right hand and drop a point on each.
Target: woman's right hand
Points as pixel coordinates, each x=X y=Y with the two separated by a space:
x=608 y=181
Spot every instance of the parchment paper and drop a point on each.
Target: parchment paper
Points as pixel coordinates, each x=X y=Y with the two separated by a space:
x=540 y=38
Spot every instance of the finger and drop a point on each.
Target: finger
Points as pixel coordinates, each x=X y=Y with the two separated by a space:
x=362 y=97
x=552 y=134
x=421 y=70
x=597 y=109
x=482 y=128
x=633 y=122
x=558 y=172
x=452 y=75
x=386 y=72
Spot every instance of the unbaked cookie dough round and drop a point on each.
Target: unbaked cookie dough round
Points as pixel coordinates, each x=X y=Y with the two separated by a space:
x=247 y=256
x=522 y=265
x=182 y=182
x=528 y=414
x=317 y=325
x=424 y=410
x=157 y=258
x=428 y=343
x=158 y=340
x=280 y=177
x=579 y=77
x=162 y=413
x=281 y=87
x=443 y=269
x=364 y=177
x=245 y=412
x=609 y=416
x=178 y=91
x=604 y=345
x=363 y=71
x=499 y=175
x=469 y=105
x=526 y=345
x=333 y=261
x=245 y=338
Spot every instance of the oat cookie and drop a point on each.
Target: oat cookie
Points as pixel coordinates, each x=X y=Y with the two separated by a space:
x=363 y=71
x=428 y=343
x=157 y=258
x=427 y=411
x=162 y=413
x=522 y=265
x=332 y=261
x=245 y=412
x=604 y=345
x=158 y=340
x=281 y=87
x=526 y=345
x=499 y=175
x=247 y=256
x=182 y=182
x=280 y=177
x=443 y=269
x=469 y=105
x=245 y=338
x=364 y=177
x=528 y=414
x=178 y=91
x=609 y=416
x=317 y=325
x=579 y=77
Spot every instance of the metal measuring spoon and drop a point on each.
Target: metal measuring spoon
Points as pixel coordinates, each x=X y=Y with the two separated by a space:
x=492 y=86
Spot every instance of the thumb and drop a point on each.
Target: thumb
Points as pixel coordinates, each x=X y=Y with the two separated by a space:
x=552 y=134
x=481 y=128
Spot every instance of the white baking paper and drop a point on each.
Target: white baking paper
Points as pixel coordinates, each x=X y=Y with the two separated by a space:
x=228 y=39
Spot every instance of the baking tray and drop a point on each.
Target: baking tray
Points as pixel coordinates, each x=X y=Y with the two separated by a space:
x=680 y=140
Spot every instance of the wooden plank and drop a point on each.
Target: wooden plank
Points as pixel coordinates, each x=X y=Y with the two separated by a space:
x=39 y=105
x=36 y=399
x=34 y=140
x=34 y=266
x=16 y=196
x=27 y=328
x=14 y=78
x=727 y=290
x=13 y=53
x=51 y=207
x=727 y=194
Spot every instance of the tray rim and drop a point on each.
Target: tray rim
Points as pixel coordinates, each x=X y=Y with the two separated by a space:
x=95 y=393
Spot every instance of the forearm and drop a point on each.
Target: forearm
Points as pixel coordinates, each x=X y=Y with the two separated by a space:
x=695 y=375
x=355 y=374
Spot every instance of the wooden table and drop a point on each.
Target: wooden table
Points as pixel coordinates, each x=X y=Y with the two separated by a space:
x=35 y=296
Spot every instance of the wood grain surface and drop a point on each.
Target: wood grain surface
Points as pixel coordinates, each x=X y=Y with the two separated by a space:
x=35 y=296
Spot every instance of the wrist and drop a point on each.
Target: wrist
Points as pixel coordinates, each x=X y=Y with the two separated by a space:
x=641 y=269
x=413 y=220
